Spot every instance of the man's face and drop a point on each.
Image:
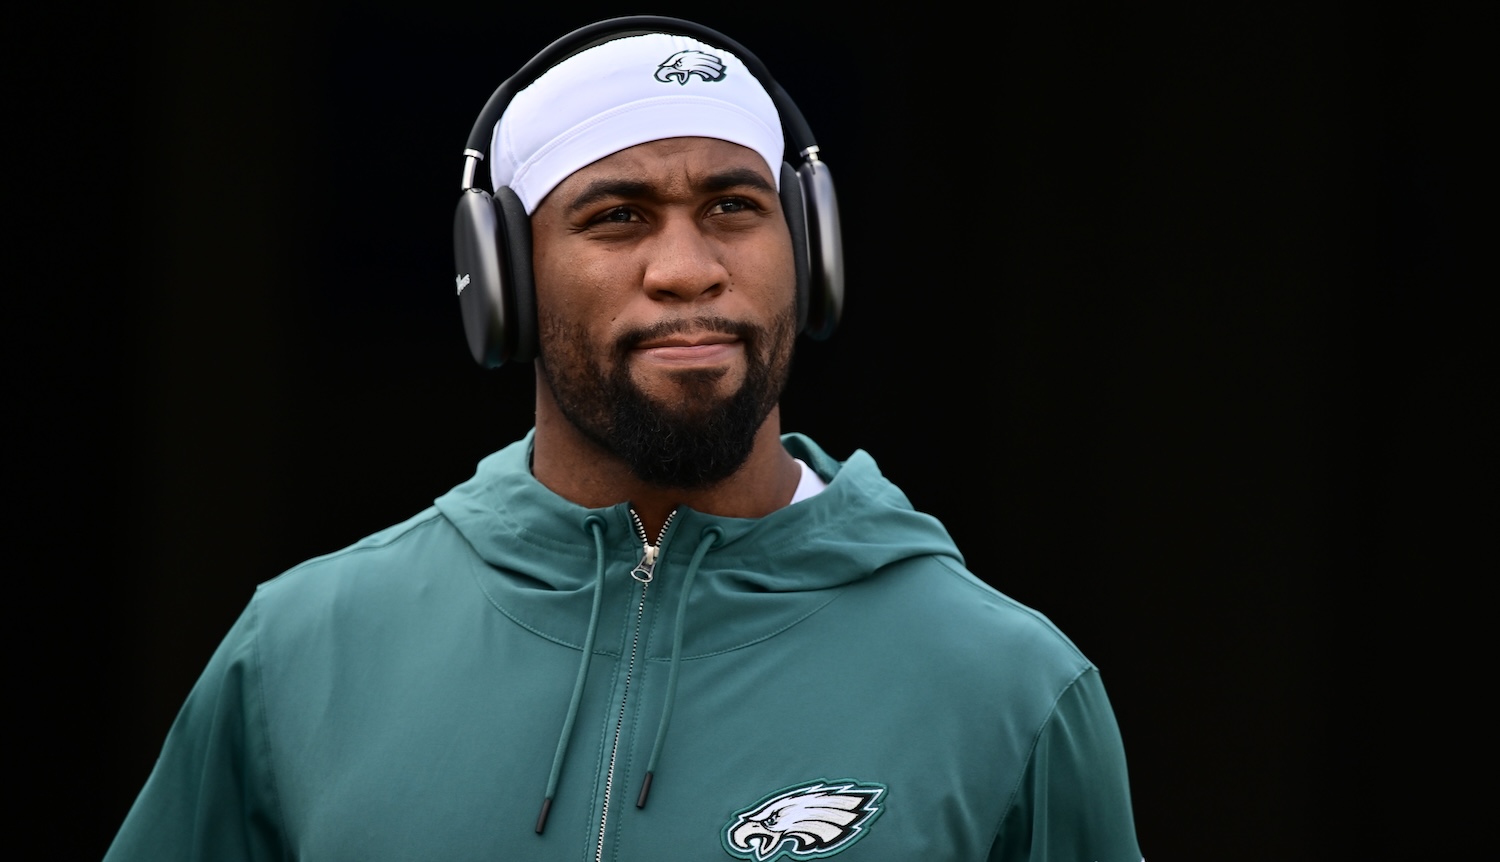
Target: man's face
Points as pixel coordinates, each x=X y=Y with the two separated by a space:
x=666 y=304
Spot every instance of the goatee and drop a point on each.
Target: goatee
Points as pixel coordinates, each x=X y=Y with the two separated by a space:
x=692 y=443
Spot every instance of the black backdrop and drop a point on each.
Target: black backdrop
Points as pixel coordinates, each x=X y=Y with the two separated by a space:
x=1130 y=302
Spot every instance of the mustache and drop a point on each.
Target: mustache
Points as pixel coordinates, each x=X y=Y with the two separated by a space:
x=747 y=332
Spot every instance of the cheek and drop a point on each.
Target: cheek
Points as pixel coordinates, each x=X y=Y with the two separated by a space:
x=567 y=285
x=550 y=276
x=785 y=280
x=579 y=300
x=556 y=267
x=768 y=269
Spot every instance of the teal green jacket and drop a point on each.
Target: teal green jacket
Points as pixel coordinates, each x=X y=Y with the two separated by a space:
x=509 y=676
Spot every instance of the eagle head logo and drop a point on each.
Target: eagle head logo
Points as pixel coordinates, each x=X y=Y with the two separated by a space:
x=808 y=821
x=685 y=64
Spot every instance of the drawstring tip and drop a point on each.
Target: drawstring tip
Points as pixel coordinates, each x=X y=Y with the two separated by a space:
x=640 y=801
x=541 y=820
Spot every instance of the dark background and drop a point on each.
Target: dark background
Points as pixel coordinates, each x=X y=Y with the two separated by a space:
x=1141 y=302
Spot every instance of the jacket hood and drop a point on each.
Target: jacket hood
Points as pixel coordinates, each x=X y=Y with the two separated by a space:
x=757 y=575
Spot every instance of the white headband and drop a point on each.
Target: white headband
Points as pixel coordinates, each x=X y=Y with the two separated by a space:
x=626 y=92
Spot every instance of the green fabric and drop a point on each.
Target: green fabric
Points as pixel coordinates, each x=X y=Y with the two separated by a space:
x=403 y=698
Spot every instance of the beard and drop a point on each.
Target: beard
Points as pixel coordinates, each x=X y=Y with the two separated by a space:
x=690 y=442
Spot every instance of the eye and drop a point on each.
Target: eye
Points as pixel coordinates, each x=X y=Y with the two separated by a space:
x=731 y=206
x=618 y=215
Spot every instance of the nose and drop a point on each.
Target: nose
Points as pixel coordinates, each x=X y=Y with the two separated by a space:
x=683 y=263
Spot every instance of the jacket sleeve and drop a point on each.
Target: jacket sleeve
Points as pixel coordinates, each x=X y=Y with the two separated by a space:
x=210 y=795
x=1073 y=802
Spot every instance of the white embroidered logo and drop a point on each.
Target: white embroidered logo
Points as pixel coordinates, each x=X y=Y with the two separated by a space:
x=809 y=821
x=463 y=282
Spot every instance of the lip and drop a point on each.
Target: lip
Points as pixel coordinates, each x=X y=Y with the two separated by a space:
x=687 y=339
x=690 y=347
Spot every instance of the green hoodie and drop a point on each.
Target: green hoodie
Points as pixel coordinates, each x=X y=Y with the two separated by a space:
x=828 y=680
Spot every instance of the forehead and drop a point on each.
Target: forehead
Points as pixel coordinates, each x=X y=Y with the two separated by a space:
x=675 y=159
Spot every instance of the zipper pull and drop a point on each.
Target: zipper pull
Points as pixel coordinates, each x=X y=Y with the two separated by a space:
x=642 y=570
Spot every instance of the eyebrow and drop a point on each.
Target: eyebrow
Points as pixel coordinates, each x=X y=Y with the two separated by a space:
x=620 y=188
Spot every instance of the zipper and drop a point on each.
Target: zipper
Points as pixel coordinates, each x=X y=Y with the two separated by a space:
x=643 y=573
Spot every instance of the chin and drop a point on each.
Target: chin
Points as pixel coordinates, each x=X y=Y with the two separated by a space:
x=692 y=390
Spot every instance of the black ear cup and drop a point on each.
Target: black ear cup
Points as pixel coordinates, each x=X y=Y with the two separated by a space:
x=478 y=252
x=796 y=220
x=515 y=230
x=825 y=286
x=492 y=247
x=492 y=234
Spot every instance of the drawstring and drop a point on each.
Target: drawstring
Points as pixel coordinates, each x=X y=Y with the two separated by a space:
x=596 y=526
x=710 y=534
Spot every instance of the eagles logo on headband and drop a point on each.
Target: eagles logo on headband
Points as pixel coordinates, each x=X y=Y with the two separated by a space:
x=685 y=64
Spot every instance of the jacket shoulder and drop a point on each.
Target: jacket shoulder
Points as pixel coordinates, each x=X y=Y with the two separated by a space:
x=381 y=568
x=948 y=611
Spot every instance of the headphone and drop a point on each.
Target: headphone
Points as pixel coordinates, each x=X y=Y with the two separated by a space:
x=492 y=233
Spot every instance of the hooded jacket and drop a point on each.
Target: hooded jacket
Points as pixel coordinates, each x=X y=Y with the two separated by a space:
x=502 y=675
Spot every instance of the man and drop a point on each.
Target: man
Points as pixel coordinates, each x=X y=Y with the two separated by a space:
x=656 y=627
